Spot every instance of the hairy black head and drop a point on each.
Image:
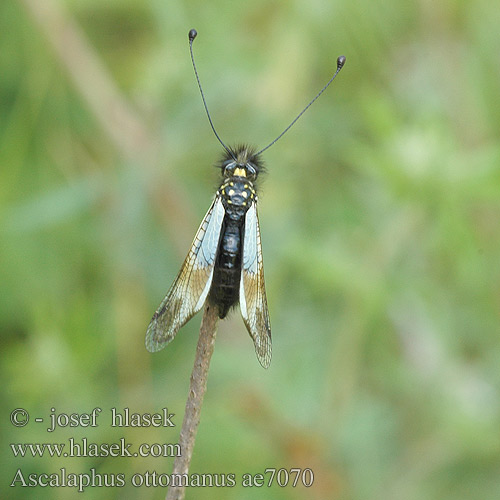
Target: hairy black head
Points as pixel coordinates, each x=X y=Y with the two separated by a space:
x=242 y=161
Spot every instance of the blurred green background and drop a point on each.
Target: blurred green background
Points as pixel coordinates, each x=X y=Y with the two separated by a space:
x=380 y=224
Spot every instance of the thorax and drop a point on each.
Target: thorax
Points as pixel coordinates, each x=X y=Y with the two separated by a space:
x=237 y=194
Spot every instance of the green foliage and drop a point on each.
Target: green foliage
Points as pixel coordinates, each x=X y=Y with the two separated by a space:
x=380 y=224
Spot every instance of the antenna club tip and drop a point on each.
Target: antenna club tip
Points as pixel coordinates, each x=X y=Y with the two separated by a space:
x=192 y=34
x=340 y=62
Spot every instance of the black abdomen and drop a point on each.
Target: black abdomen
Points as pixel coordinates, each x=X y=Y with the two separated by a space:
x=225 y=288
x=237 y=193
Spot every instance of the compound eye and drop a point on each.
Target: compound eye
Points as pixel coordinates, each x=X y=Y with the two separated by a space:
x=252 y=171
x=229 y=169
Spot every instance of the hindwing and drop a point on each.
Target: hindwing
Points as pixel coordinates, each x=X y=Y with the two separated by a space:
x=190 y=289
x=253 y=302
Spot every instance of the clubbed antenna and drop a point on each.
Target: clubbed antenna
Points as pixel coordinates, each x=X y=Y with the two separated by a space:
x=340 y=64
x=192 y=36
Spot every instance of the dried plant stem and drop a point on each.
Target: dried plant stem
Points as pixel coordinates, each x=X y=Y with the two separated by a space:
x=119 y=120
x=197 y=388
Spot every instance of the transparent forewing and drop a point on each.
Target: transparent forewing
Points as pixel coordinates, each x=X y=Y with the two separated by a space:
x=253 y=302
x=190 y=289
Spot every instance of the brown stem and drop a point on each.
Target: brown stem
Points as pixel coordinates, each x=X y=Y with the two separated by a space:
x=197 y=388
x=119 y=120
